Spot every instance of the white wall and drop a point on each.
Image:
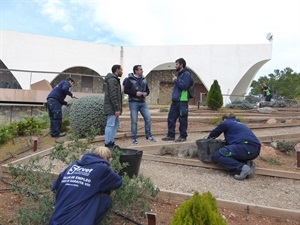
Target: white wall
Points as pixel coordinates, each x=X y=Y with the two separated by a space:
x=234 y=66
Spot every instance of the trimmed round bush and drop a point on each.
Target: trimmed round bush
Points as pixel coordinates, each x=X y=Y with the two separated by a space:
x=86 y=113
x=66 y=110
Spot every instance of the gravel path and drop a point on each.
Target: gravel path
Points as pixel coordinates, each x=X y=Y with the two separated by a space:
x=260 y=190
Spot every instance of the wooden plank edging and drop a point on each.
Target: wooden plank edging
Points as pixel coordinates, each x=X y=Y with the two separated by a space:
x=177 y=197
x=198 y=163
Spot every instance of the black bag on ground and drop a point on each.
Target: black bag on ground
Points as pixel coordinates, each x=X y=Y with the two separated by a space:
x=207 y=147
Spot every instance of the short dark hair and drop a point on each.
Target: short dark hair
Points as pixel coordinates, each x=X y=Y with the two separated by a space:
x=136 y=68
x=229 y=116
x=224 y=117
x=181 y=61
x=115 y=68
x=71 y=79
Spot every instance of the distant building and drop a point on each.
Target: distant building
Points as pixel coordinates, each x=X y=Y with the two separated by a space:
x=26 y=57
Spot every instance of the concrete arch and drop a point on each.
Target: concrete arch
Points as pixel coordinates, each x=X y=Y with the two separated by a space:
x=87 y=80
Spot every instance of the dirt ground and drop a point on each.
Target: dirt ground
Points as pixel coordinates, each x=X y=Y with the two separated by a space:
x=10 y=201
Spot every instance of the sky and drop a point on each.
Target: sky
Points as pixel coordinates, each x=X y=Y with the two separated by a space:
x=165 y=22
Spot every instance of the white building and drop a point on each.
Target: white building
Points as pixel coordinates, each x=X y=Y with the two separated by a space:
x=233 y=66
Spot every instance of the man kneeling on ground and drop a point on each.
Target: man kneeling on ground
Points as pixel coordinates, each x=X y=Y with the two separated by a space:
x=242 y=146
x=83 y=190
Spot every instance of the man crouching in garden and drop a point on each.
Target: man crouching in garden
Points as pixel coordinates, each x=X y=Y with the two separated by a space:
x=242 y=146
x=83 y=190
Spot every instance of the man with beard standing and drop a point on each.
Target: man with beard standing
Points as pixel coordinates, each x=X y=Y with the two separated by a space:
x=112 y=104
x=179 y=106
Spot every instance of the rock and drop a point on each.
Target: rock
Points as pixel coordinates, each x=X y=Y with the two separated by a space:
x=265 y=110
x=271 y=121
x=267 y=152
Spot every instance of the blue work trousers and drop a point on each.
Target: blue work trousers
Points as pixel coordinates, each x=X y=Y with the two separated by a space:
x=111 y=128
x=141 y=107
x=55 y=114
x=233 y=157
x=178 y=110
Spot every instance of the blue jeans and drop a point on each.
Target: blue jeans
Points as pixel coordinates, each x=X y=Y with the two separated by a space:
x=111 y=128
x=233 y=157
x=55 y=114
x=178 y=110
x=141 y=107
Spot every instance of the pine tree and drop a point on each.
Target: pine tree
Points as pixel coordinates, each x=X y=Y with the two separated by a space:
x=200 y=210
x=214 y=99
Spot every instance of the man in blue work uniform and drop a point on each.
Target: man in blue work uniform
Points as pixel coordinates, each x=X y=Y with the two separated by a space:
x=241 y=146
x=83 y=190
x=179 y=106
x=55 y=101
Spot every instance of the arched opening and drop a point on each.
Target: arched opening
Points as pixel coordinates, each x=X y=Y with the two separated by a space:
x=7 y=79
x=87 y=80
x=161 y=85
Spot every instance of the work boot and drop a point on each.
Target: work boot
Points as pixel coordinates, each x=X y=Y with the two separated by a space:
x=246 y=171
x=252 y=165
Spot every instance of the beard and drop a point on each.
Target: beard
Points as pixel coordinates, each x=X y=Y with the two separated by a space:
x=178 y=69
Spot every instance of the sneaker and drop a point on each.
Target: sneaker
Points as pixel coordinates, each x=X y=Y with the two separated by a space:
x=60 y=135
x=180 y=139
x=246 y=171
x=167 y=138
x=150 y=138
x=135 y=141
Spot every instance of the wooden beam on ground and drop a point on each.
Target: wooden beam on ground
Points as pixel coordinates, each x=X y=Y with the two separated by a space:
x=170 y=196
x=198 y=163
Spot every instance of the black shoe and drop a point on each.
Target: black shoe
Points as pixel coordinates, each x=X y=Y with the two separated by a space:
x=167 y=138
x=180 y=139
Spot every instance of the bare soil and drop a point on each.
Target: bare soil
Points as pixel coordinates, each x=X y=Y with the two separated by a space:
x=22 y=146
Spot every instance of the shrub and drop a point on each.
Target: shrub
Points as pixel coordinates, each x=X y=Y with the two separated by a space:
x=200 y=209
x=239 y=104
x=66 y=109
x=214 y=99
x=86 y=113
x=286 y=146
x=6 y=134
x=131 y=199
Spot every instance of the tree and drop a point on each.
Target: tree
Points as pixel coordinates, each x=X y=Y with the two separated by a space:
x=214 y=99
x=283 y=83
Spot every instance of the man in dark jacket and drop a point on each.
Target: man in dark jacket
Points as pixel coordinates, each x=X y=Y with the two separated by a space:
x=241 y=146
x=266 y=92
x=179 y=106
x=112 y=104
x=55 y=101
x=135 y=85
x=82 y=190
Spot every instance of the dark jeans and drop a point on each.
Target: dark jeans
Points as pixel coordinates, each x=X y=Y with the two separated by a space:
x=233 y=157
x=178 y=110
x=55 y=114
x=268 y=98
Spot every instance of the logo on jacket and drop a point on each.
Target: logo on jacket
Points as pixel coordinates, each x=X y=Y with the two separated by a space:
x=75 y=169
